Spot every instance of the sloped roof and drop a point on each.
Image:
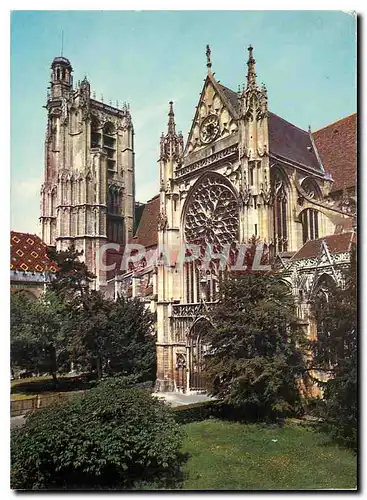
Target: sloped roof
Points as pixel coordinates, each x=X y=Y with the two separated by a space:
x=290 y=142
x=28 y=253
x=337 y=146
x=285 y=139
x=230 y=95
x=336 y=243
x=147 y=231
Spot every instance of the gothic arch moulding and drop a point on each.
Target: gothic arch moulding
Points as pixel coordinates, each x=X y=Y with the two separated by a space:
x=281 y=188
x=324 y=285
x=210 y=214
x=279 y=178
x=311 y=187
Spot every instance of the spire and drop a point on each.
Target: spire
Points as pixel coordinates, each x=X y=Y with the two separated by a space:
x=251 y=75
x=208 y=61
x=62 y=43
x=171 y=120
x=171 y=143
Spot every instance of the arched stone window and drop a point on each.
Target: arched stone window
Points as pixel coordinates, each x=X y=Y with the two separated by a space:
x=280 y=190
x=312 y=188
x=211 y=218
x=95 y=131
x=310 y=224
x=321 y=293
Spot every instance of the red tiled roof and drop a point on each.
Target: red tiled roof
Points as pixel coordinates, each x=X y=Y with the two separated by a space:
x=336 y=243
x=337 y=146
x=28 y=253
x=147 y=232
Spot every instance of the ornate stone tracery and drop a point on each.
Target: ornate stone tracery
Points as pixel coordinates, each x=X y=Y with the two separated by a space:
x=212 y=213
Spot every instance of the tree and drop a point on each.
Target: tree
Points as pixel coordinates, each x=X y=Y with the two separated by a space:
x=89 y=329
x=256 y=358
x=23 y=347
x=335 y=353
x=131 y=343
x=72 y=275
x=38 y=338
x=114 y=337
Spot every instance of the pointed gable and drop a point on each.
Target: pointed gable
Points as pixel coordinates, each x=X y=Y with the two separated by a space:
x=218 y=102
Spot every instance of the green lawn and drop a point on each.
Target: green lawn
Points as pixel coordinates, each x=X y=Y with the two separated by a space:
x=232 y=456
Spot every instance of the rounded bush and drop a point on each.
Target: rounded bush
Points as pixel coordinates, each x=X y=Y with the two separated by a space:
x=113 y=438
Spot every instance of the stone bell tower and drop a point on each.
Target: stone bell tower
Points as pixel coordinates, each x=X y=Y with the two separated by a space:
x=88 y=193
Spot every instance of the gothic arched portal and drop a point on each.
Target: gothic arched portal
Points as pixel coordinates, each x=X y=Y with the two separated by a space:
x=196 y=350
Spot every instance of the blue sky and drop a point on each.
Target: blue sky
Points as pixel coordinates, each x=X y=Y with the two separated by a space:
x=307 y=60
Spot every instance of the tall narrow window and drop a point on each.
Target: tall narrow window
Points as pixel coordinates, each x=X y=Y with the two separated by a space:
x=95 y=137
x=310 y=224
x=280 y=211
x=109 y=145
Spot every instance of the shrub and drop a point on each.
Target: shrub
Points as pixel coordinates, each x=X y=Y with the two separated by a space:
x=113 y=438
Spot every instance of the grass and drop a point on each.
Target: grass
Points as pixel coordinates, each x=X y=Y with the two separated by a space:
x=233 y=456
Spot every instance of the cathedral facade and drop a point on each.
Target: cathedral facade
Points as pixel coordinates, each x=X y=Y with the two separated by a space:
x=244 y=172
x=88 y=193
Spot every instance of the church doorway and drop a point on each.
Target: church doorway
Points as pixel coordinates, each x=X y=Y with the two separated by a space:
x=197 y=350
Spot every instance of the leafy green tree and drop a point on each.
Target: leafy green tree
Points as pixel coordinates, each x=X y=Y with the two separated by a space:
x=23 y=346
x=335 y=353
x=38 y=341
x=256 y=358
x=112 y=438
x=113 y=337
x=89 y=330
x=72 y=276
x=71 y=320
x=131 y=343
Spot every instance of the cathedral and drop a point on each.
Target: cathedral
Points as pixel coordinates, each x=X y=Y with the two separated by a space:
x=242 y=173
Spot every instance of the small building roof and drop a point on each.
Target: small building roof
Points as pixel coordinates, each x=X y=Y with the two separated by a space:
x=336 y=243
x=28 y=253
x=61 y=60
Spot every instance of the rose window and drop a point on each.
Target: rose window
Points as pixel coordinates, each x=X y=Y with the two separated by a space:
x=212 y=214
